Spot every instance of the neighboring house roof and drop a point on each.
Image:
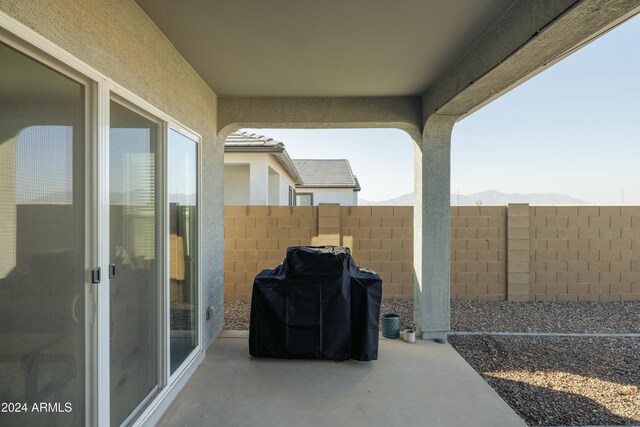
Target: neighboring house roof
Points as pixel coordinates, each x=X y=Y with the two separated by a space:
x=251 y=142
x=328 y=173
x=306 y=173
x=244 y=142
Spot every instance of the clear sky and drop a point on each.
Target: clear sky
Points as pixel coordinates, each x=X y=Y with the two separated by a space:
x=573 y=129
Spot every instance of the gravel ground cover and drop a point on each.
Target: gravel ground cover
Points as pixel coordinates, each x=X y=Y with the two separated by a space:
x=236 y=315
x=547 y=380
x=504 y=316
x=556 y=381
x=561 y=316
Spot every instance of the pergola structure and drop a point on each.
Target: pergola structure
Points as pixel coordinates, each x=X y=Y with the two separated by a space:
x=416 y=65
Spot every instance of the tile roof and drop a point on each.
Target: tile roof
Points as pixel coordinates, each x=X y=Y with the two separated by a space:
x=246 y=139
x=329 y=173
x=326 y=173
x=244 y=142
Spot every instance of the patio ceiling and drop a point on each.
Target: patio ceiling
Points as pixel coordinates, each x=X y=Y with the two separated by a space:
x=331 y=48
x=372 y=63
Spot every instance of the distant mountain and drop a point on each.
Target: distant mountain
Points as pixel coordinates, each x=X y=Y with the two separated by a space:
x=486 y=198
x=404 y=200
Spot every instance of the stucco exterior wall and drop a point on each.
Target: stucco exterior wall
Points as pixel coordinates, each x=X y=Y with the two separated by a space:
x=116 y=38
x=259 y=164
x=236 y=185
x=285 y=182
x=274 y=187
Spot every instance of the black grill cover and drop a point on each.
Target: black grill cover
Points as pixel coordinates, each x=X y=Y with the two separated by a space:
x=316 y=305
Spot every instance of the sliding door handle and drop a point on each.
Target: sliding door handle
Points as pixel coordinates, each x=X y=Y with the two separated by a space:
x=112 y=270
x=95 y=275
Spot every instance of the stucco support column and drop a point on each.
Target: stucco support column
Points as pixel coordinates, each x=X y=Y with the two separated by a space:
x=432 y=228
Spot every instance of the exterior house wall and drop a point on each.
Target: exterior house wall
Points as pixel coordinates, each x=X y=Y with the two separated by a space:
x=236 y=185
x=117 y=39
x=258 y=175
x=274 y=187
x=259 y=164
x=518 y=252
x=343 y=196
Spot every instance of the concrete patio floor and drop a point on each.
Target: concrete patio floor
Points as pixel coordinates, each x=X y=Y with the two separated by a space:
x=423 y=383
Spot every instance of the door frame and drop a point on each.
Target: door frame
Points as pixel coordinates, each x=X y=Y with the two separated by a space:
x=200 y=313
x=160 y=219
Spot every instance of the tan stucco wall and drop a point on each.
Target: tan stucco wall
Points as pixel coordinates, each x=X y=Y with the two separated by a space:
x=116 y=38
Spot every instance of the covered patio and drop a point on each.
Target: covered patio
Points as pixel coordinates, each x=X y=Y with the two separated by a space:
x=420 y=383
x=418 y=66
x=187 y=75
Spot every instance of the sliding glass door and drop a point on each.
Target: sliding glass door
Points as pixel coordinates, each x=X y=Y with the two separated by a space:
x=134 y=285
x=43 y=244
x=183 y=248
x=99 y=294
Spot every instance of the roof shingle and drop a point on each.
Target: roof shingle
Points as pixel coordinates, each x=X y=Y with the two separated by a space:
x=325 y=173
x=246 y=139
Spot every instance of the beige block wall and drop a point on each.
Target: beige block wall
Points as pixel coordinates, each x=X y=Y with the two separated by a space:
x=516 y=252
x=381 y=239
x=257 y=237
x=585 y=253
x=478 y=252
